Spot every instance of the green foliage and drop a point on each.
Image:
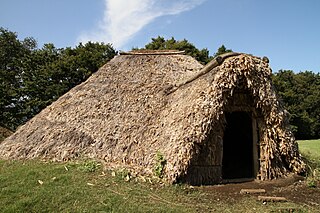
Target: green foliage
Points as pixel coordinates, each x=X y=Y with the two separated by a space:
x=12 y=54
x=160 y=43
x=222 y=50
x=32 y=78
x=201 y=55
x=301 y=97
x=311 y=155
x=160 y=164
x=121 y=174
x=313 y=178
x=89 y=166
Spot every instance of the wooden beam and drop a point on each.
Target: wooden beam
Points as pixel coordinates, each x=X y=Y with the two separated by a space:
x=272 y=199
x=153 y=52
x=212 y=64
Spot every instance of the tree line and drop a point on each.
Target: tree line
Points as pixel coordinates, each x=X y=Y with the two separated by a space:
x=31 y=78
x=300 y=94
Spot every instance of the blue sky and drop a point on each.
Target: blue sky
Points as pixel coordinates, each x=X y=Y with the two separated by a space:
x=287 y=31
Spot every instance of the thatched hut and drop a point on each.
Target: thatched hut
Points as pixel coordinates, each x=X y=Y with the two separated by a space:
x=221 y=121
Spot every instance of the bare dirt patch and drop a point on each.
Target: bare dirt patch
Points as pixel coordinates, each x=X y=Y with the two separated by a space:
x=293 y=188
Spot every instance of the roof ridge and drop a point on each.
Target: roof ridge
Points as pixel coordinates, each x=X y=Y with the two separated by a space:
x=217 y=61
x=153 y=52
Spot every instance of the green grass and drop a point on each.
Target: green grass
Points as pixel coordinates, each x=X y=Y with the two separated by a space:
x=310 y=150
x=310 y=147
x=35 y=186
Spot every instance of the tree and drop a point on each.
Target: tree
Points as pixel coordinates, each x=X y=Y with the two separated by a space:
x=222 y=50
x=300 y=95
x=160 y=43
x=12 y=54
x=32 y=78
x=201 y=55
x=55 y=71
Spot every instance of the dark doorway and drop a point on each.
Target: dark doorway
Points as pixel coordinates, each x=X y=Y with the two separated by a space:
x=237 y=160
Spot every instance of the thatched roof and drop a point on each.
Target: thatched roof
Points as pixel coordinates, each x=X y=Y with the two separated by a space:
x=123 y=114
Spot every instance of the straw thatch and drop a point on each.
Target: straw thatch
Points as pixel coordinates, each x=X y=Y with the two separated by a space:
x=128 y=112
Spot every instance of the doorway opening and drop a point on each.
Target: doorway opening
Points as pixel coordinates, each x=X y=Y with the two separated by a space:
x=238 y=157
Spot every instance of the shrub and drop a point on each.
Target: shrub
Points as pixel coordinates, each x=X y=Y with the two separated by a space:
x=89 y=166
x=160 y=164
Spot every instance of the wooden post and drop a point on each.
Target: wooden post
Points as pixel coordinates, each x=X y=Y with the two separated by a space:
x=255 y=146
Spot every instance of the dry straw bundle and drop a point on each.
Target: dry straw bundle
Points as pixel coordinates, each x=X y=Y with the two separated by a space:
x=127 y=113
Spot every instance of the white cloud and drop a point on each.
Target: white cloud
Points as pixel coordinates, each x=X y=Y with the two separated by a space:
x=124 y=18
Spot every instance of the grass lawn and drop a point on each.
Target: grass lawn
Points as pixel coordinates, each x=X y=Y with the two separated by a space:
x=35 y=186
x=310 y=151
x=310 y=147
